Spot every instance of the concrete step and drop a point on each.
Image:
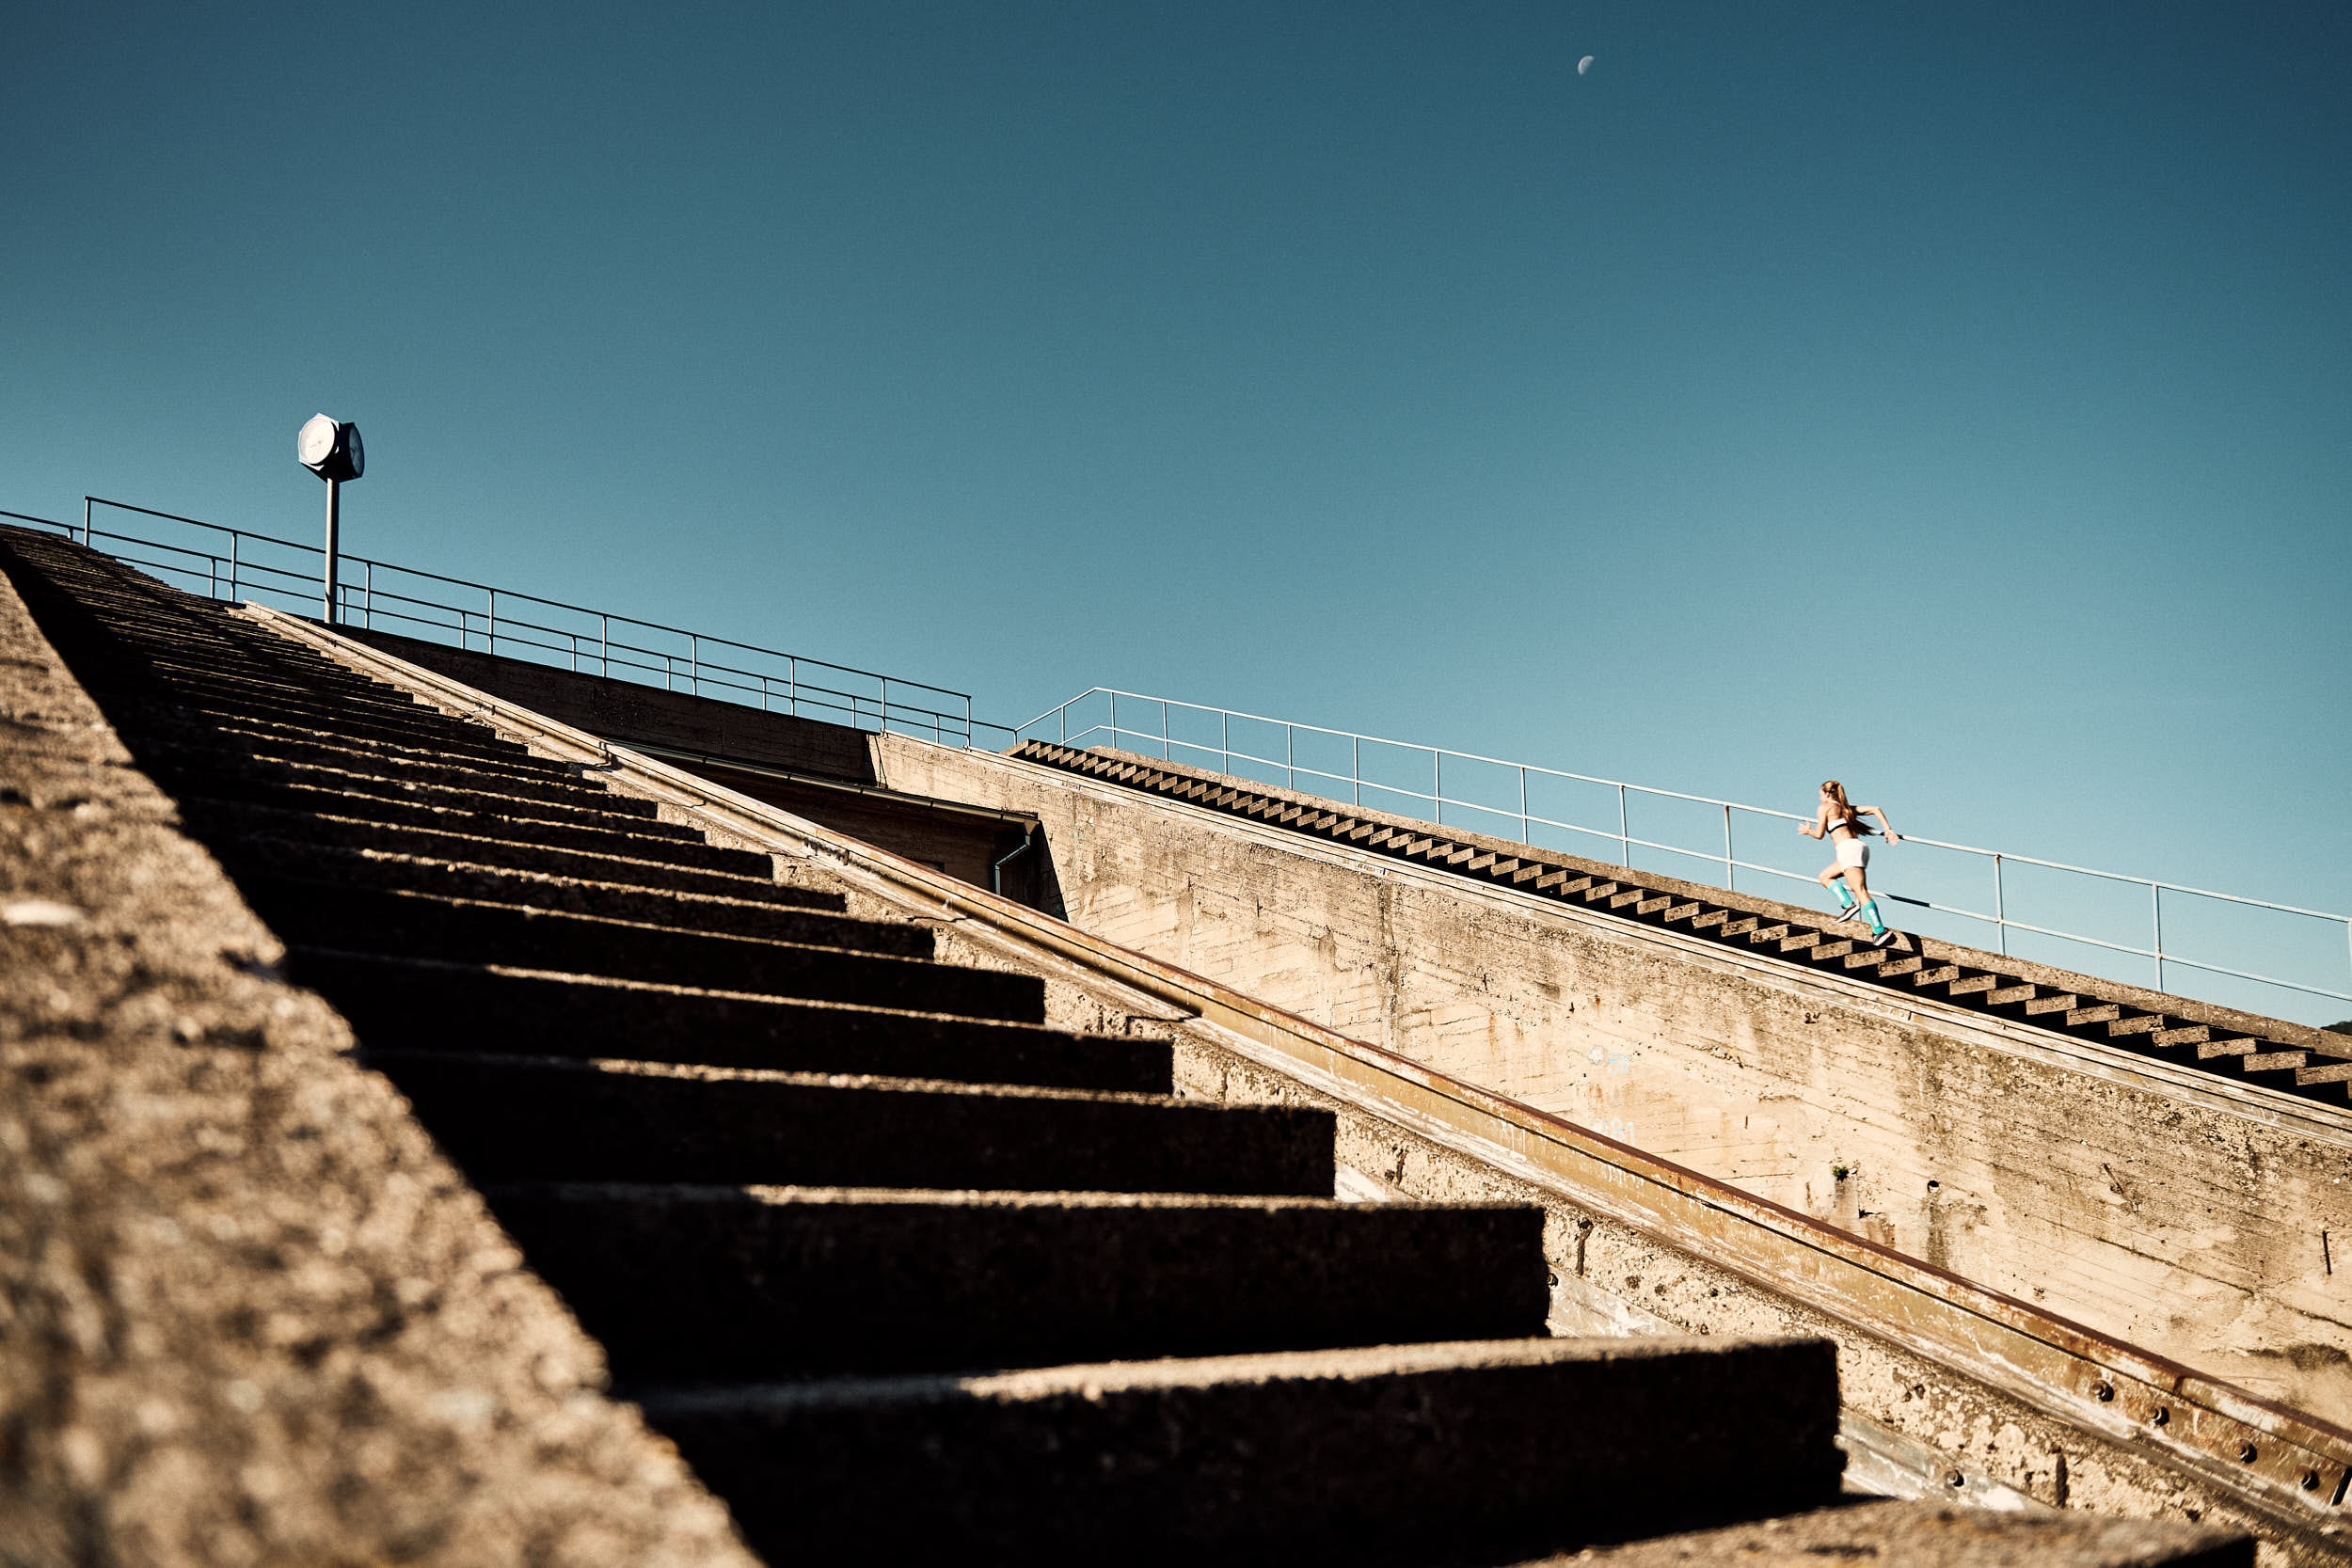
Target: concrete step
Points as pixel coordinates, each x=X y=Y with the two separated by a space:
x=1932 y=1535
x=440 y=811
x=286 y=696
x=1419 y=1454
x=685 y=1284
x=411 y=1002
x=378 y=773
x=646 y=862
x=165 y=730
x=423 y=926
x=332 y=817
x=508 y=1119
x=458 y=741
x=491 y=756
x=772 y=911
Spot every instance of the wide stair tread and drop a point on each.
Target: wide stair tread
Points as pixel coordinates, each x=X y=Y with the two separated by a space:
x=692 y=1283
x=425 y=925
x=469 y=1006
x=513 y=1118
x=614 y=857
x=1421 y=1453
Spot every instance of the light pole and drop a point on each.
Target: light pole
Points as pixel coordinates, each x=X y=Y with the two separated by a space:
x=330 y=448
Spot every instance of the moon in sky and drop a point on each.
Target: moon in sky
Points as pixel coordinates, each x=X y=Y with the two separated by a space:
x=1584 y=65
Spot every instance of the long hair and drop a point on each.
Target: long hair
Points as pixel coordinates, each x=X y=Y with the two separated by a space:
x=1841 y=807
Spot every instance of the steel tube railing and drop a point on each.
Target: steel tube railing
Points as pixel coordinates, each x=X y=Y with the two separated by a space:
x=891 y=701
x=1353 y=784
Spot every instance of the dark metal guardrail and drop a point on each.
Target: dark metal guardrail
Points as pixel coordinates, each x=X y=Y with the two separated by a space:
x=233 y=564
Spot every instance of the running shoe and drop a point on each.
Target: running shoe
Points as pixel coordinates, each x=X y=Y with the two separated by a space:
x=1880 y=938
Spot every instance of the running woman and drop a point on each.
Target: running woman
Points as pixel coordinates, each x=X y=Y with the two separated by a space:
x=1840 y=820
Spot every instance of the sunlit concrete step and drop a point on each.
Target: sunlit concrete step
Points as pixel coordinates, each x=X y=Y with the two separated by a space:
x=423 y=926
x=1409 y=1455
x=686 y=1283
x=650 y=862
x=412 y=1003
x=1931 y=1535
x=249 y=774
x=524 y=821
x=295 y=885
x=776 y=911
x=508 y=1117
x=451 y=736
x=169 y=730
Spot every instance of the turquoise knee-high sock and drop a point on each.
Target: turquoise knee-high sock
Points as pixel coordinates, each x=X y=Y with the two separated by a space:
x=1870 y=913
x=1845 y=895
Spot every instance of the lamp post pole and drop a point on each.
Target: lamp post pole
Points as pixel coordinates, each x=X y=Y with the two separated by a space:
x=330 y=448
x=334 y=545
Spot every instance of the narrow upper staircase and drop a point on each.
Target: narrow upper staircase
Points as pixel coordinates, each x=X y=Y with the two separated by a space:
x=904 y=1271
x=2301 y=1067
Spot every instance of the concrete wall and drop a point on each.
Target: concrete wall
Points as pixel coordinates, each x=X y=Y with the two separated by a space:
x=624 y=712
x=2199 y=1218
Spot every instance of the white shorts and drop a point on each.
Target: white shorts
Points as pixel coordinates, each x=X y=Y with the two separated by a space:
x=1853 y=852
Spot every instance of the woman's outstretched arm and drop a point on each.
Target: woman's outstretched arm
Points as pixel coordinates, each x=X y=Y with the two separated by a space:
x=1892 y=836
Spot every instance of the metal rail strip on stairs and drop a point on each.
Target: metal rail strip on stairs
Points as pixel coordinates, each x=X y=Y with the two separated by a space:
x=2289 y=1465
x=2307 y=1063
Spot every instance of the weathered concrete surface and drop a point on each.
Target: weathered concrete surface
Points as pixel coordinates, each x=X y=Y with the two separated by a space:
x=2197 y=1217
x=623 y=710
x=247 y=1315
x=814 y=770
x=1924 y=1536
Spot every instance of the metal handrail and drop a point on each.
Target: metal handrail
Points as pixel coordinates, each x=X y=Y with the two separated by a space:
x=951 y=726
x=942 y=712
x=1356 y=783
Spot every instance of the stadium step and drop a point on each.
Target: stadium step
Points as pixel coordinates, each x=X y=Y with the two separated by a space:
x=1827 y=944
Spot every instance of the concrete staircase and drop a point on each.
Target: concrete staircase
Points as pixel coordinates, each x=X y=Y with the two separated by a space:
x=901 y=1268
x=1823 y=943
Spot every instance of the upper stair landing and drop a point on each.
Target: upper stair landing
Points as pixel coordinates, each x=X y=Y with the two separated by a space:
x=2238 y=1047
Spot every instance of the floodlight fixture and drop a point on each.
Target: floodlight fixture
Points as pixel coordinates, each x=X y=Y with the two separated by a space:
x=330 y=448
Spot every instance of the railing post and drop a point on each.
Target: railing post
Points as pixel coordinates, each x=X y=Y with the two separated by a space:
x=1290 y=751
x=2155 y=894
x=1731 y=869
x=233 y=564
x=1164 y=751
x=1356 y=766
x=1224 y=738
x=694 y=667
x=792 y=684
x=604 y=645
x=967 y=723
x=1526 y=833
x=85 y=522
x=575 y=637
x=491 y=627
x=2000 y=914
x=367 y=601
x=1437 y=785
x=1625 y=836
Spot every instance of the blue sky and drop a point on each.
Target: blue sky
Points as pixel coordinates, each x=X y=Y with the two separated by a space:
x=1956 y=401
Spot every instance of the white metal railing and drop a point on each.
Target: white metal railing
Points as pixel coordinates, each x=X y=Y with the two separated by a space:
x=1331 y=782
